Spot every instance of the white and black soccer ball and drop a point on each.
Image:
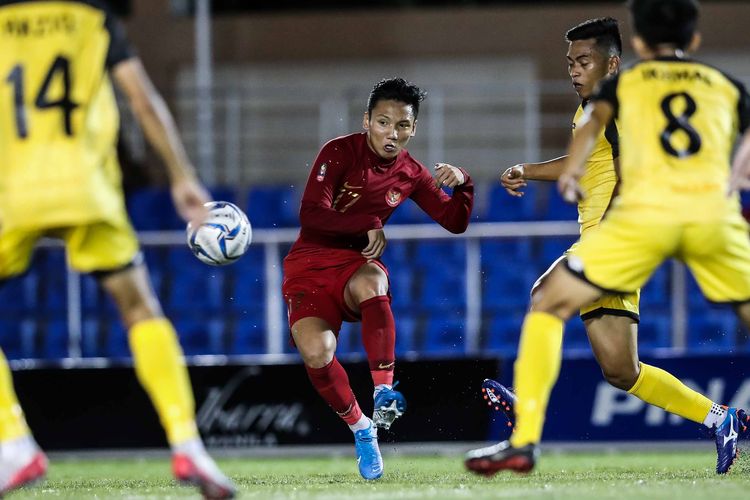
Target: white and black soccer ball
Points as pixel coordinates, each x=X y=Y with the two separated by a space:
x=223 y=237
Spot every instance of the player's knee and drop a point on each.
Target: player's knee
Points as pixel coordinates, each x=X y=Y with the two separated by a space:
x=316 y=355
x=620 y=376
x=136 y=307
x=369 y=284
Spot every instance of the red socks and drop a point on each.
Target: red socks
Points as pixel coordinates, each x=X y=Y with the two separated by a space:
x=332 y=383
x=379 y=338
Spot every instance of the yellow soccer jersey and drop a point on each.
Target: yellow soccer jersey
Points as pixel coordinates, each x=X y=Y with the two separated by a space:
x=58 y=115
x=678 y=121
x=600 y=178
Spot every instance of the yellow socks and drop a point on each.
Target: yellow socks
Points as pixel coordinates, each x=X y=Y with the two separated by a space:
x=160 y=367
x=535 y=373
x=12 y=423
x=659 y=388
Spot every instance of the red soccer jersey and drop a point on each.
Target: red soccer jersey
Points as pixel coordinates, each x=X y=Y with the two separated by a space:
x=352 y=190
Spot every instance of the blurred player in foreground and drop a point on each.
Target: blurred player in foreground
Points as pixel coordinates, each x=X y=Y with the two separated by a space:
x=678 y=120
x=611 y=322
x=333 y=272
x=61 y=179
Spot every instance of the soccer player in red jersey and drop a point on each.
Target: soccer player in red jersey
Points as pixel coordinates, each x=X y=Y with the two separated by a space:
x=333 y=272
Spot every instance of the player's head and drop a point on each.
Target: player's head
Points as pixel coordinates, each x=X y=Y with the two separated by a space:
x=594 y=50
x=391 y=116
x=669 y=24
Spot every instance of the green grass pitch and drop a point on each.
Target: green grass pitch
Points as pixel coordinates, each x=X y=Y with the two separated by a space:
x=674 y=476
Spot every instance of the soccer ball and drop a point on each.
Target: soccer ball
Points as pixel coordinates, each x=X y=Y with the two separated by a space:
x=223 y=237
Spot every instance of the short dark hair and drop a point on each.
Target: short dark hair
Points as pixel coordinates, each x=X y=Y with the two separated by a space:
x=670 y=22
x=396 y=89
x=606 y=32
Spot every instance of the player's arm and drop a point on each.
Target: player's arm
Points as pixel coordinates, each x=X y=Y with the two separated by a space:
x=316 y=211
x=159 y=127
x=740 y=179
x=598 y=114
x=451 y=212
x=514 y=178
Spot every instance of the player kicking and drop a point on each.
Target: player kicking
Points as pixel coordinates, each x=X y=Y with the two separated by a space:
x=61 y=178
x=678 y=121
x=333 y=272
x=611 y=322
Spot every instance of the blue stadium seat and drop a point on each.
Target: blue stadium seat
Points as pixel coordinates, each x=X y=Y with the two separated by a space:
x=350 y=339
x=55 y=335
x=17 y=336
x=441 y=254
x=192 y=283
x=444 y=335
x=554 y=247
x=399 y=252
x=248 y=333
x=657 y=292
x=654 y=330
x=406 y=332
x=403 y=279
x=246 y=281
x=20 y=294
x=504 y=208
x=508 y=287
x=558 y=209
x=104 y=335
x=711 y=330
x=200 y=335
x=503 y=331
x=506 y=253
x=273 y=206
x=152 y=209
x=442 y=290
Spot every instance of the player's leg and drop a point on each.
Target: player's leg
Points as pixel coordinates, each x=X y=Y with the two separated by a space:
x=718 y=254
x=316 y=343
x=21 y=460
x=614 y=342
x=537 y=366
x=110 y=251
x=366 y=293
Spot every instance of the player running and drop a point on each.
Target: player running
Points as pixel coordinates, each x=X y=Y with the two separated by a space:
x=678 y=122
x=611 y=322
x=333 y=272
x=60 y=178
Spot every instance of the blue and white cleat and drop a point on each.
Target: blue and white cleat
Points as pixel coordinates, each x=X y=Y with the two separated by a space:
x=389 y=405
x=727 y=434
x=369 y=460
x=500 y=398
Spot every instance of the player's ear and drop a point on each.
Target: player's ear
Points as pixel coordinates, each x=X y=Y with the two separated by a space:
x=413 y=129
x=695 y=43
x=366 y=121
x=613 y=66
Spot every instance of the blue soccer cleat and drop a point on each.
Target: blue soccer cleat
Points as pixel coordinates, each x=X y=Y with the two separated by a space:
x=727 y=433
x=389 y=405
x=368 y=453
x=500 y=398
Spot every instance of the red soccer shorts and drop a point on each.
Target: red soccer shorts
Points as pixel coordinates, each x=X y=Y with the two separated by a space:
x=313 y=287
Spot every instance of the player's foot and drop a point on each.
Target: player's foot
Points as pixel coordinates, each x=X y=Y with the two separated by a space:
x=389 y=405
x=500 y=398
x=22 y=473
x=502 y=456
x=195 y=467
x=727 y=433
x=368 y=453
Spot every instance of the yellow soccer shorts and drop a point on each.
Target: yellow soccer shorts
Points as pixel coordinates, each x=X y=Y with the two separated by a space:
x=611 y=304
x=625 y=250
x=92 y=247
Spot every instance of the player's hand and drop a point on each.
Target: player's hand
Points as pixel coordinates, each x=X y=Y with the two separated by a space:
x=448 y=175
x=513 y=181
x=376 y=245
x=569 y=188
x=189 y=196
x=738 y=182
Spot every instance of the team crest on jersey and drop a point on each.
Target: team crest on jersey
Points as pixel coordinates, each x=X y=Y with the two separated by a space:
x=393 y=197
x=322 y=172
